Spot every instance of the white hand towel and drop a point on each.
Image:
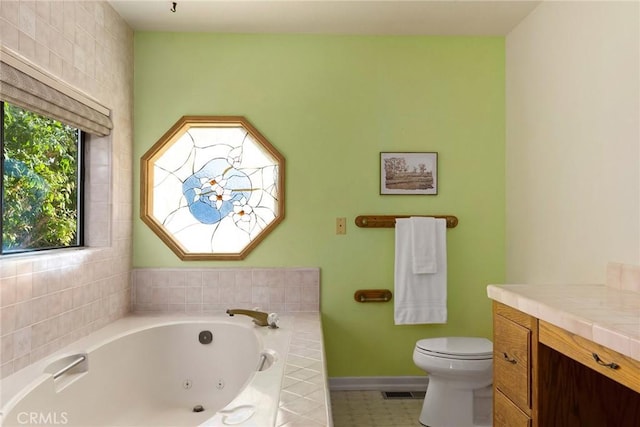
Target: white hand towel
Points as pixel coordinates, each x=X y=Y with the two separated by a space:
x=423 y=240
x=419 y=298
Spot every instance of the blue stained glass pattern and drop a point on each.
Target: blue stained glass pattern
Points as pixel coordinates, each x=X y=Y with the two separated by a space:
x=215 y=189
x=212 y=191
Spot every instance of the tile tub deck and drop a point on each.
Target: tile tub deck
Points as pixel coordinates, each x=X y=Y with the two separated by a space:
x=304 y=397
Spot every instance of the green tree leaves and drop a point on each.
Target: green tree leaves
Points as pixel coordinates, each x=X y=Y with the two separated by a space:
x=40 y=181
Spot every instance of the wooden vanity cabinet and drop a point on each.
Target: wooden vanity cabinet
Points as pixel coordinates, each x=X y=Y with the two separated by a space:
x=545 y=376
x=515 y=336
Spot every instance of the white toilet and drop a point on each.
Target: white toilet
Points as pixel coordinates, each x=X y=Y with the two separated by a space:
x=460 y=369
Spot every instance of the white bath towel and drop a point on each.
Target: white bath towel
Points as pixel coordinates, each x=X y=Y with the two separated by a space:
x=423 y=240
x=419 y=298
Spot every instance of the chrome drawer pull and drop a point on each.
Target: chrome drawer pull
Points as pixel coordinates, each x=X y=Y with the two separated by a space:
x=509 y=359
x=611 y=365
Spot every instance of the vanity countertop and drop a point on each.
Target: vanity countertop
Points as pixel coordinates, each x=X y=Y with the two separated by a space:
x=602 y=314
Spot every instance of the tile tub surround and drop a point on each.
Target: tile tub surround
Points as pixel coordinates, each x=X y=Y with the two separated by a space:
x=304 y=395
x=603 y=314
x=207 y=290
x=291 y=292
x=50 y=300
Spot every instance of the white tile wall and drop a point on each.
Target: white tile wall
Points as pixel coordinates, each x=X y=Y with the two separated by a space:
x=50 y=300
x=201 y=290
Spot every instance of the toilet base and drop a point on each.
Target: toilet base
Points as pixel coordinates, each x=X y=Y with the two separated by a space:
x=449 y=406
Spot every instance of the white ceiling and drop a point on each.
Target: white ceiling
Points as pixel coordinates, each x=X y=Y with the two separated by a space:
x=414 y=17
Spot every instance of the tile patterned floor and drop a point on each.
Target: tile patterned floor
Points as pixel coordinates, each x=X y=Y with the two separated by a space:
x=368 y=408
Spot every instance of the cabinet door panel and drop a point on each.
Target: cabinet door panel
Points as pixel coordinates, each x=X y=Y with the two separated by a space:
x=507 y=414
x=511 y=350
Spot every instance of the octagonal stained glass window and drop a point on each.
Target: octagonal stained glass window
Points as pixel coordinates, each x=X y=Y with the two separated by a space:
x=212 y=187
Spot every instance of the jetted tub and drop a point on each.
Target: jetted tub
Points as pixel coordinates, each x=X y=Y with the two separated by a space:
x=155 y=371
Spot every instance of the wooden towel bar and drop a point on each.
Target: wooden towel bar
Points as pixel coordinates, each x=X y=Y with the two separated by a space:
x=389 y=221
x=372 y=295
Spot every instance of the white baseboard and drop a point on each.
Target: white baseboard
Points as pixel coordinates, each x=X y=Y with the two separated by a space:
x=405 y=383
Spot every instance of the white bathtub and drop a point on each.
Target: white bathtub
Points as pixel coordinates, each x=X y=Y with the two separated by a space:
x=146 y=371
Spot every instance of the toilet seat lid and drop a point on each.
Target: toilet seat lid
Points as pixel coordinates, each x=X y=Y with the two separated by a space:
x=457 y=347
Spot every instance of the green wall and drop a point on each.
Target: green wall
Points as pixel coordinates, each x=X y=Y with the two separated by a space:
x=331 y=104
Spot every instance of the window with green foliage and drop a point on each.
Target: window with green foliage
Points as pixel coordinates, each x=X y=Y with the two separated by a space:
x=41 y=182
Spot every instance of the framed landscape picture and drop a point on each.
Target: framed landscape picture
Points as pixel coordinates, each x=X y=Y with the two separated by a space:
x=409 y=173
